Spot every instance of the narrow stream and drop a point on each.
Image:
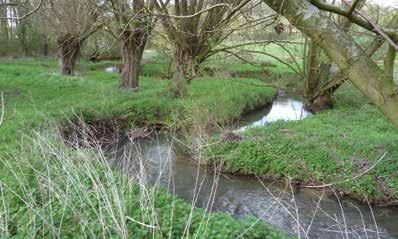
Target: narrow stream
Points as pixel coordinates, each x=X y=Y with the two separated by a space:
x=285 y=107
x=314 y=214
x=112 y=69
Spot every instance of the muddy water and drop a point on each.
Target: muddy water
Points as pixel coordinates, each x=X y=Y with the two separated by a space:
x=315 y=214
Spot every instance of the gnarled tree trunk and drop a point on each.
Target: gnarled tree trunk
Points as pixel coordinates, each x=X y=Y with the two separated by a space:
x=360 y=69
x=312 y=70
x=135 y=25
x=199 y=27
x=132 y=55
x=319 y=98
x=69 y=50
x=184 y=71
x=317 y=72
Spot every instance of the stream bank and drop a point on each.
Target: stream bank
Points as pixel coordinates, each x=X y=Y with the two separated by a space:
x=338 y=147
x=160 y=161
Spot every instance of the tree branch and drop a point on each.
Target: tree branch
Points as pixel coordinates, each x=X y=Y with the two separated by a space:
x=392 y=33
x=196 y=14
x=375 y=27
x=27 y=14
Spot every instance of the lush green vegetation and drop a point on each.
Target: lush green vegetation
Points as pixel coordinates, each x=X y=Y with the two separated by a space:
x=328 y=147
x=33 y=92
x=48 y=189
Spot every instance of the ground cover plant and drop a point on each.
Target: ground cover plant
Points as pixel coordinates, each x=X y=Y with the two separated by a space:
x=333 y=147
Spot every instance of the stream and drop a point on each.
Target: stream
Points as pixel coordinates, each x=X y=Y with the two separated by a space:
x=311 y=212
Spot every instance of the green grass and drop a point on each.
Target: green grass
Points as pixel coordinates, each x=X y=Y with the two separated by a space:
x=50 y=191
x=328 y=147
x=34 y=91
x=47 y=189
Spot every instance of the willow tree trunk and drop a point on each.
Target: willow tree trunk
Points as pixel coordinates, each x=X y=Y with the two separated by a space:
x=132 y=56
x=317 y=72
x=184 y=71
x=328 y=77
x=69 y=50
x=340 y=47
x=320 y=98
x=312 y=70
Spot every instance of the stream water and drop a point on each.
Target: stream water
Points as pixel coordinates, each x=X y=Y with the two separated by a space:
x=313 y=213
x=112 y=69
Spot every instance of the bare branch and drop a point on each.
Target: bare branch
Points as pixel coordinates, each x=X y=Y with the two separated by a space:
x=26 y=15
x=353 y=7
x=196 y=14
x=360 y=21
x=375 y=27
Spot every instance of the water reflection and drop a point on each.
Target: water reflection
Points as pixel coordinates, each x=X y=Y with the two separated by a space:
x=113 y=69
x=284 y=107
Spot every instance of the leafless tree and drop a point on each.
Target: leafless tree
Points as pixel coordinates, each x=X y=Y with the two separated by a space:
x=194 y=28
x=72 y=21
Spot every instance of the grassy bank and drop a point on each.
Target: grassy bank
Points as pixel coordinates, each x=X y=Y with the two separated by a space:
x=334 y=146
x=49 y=190
x=33 y=91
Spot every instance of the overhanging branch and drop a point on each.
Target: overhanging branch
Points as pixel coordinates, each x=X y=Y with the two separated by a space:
x=393 y=34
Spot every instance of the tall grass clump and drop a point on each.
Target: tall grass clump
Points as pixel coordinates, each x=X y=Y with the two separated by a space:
x=51 y=190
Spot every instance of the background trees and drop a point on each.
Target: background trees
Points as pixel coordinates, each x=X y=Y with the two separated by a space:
x=195 y=29
x=19 y=29
x=72 y=22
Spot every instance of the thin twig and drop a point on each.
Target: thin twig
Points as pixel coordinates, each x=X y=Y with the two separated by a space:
x=376 y=28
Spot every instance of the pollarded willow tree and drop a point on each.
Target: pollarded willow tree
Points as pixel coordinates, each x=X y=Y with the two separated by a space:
x=72 y=22
x=194 y=28
x=353 y=61
x=134 y=24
